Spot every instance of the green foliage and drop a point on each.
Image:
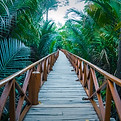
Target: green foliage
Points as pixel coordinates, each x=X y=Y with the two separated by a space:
x=17 y=57
x=94 y=35
x=14 y=56
x=8 y=48
x=28 y=24
x=48 y=35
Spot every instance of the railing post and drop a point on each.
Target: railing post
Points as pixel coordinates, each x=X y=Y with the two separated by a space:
x=80 y=70
x=90 y=84
x=34 y=86
x=39 y=69
x=12 y=103
x=45 y=70
x=85 y=75
x=54 y=58
x=108 y=104
x=48 y=66
x=51 y=61
x=77 y=66
x=73 y=61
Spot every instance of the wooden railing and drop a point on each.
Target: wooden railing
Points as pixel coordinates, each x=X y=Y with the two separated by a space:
x=95 y=81
x=27 y=94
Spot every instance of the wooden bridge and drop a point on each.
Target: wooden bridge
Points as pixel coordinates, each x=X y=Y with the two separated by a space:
x=60 y=95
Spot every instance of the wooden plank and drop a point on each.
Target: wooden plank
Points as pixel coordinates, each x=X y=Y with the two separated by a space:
x=5 y=95
x=26 y=109
x=26 y=81
x=57 y=117
x=116 y=98
x=98 y=94
x=19 y=107
x=60 y=98
x=64 y=106
x=108 y=104
x=43 y=109
x=12 y=103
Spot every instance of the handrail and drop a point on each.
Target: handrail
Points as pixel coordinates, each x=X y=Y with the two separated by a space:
x=35 y=76
x=87 y=74
x=5 y=80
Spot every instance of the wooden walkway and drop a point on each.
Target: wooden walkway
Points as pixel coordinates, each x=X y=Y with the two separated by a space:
x=61 y=97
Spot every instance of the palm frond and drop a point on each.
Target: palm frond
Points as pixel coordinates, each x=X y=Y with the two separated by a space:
x=17 y=57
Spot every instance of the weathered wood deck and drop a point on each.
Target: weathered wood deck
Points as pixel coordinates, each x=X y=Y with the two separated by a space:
x=61 y=97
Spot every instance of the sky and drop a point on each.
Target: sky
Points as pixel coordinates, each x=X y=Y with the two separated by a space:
x=58 y=16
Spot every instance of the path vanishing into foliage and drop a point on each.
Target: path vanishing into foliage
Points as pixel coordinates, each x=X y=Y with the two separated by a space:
x=61 y=96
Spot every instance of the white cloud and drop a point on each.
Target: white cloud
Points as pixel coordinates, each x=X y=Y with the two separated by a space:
x=58 y=16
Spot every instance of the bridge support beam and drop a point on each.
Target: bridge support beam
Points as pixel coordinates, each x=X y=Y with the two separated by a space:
x=34 y=86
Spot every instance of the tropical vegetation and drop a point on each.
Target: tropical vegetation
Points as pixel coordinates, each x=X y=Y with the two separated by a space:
x=94 y=34
x=24 y=36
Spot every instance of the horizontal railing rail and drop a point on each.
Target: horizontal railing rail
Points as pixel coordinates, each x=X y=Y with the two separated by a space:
x=95 y=81
x=26 y=92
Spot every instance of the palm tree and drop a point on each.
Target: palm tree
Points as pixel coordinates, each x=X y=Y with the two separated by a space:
x=99 y=34
x=20 y=21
